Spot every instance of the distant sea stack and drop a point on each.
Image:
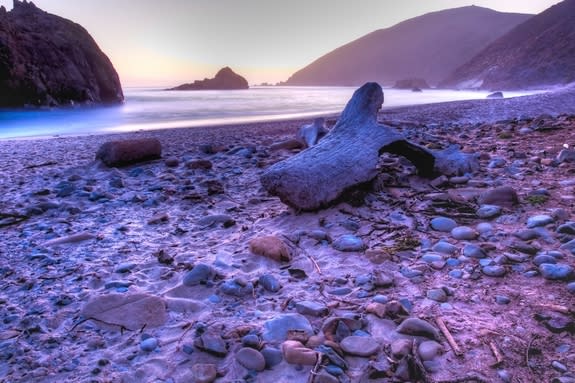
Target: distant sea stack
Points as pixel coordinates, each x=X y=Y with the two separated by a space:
x=411 y=83
x=430 y=46
x=46 y=60
x=538 y=53
x=226 y=79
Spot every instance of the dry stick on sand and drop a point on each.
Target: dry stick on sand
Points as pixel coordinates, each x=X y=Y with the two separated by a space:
x=496 y=353
x=445 y=331
x=557 y=308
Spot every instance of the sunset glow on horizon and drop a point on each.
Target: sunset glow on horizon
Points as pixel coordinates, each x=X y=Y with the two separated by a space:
x=167 y=43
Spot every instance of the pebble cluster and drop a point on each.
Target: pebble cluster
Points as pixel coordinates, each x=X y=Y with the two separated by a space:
x=184 y=270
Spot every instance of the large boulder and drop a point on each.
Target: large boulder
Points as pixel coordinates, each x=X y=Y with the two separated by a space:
x=48 y=60
x=226 y=79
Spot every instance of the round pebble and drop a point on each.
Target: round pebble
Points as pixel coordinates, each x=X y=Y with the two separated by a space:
x=348 y=242
x=457 y=274
x=201 y=273
x=251 y=359
x=473 y=251
x=429 y=349
x=269 y=283
x=488 y=211
x=149 y=344
x=494 y=271
x=484 y=227
x=558 y=271
x=463 y=233
x=437 y=295
x=360 y=345
x=443 y=224
x=444 y=248
x=432 y=257
x=571 y=287
x=539 y=220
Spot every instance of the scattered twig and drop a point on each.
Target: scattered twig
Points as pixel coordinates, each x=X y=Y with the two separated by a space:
x=7 y=219
x=528 y=351
x=312 y=261
x=418 y=367
x=477 y=378
x=315 y=370
x=496 y=353
x=557 y=308
x=286 y=303
x=445 y=331
x=41 y=165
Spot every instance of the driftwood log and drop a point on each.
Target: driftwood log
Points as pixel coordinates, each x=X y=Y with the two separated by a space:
x=348 y=156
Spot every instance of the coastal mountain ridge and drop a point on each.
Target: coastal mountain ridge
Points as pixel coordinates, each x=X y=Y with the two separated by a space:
x=46 y=60
x=537 y=53
x=430 y=46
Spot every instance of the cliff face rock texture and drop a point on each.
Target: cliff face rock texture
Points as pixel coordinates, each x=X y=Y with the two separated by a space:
x=537 y=53
x=46 y=60
x=430 y=46
x=225 y=79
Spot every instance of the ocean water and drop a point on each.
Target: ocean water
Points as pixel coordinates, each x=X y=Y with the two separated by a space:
x=152 y=108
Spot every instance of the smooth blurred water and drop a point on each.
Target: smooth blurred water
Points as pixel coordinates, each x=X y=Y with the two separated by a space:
x=148 y=108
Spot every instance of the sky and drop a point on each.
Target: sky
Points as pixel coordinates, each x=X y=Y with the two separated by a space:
x=169 y=42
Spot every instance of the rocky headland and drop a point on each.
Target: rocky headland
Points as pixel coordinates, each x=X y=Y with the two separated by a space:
x=184 y=269
x=46 y=60
x=225 y=79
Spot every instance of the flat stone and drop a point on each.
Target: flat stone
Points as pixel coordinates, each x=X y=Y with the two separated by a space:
x=311 y=308
x=527 y=234
x=269 y=282
x=272 y=356
x=277 y=329
x=488 y=211
x=432 y=257
x=464 y=233
x=429 y=349
x=484 y=227
x=557 y=271
x=200 y=274
x=539 y=220
x=349 y=242
x=237 y=289
x=420 y=327
x=204 y=373
x=524 y=247
x=444 y=248
x=212 y=344
x=271 y=247
x=473 y=251
x=544 y=258
x=571 y=287
x=437 y=295
x=504 y=196
x=566 y=228
x=251 y=359
x=494 y=270
x=360 y=345
x=443 y=224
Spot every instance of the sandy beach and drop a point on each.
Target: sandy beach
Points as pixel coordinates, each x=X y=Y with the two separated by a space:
x=154 y=272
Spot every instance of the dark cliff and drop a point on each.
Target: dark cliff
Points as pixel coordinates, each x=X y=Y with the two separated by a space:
x=48 y=60
x=225 y=79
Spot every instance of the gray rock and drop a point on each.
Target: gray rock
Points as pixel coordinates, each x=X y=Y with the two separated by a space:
x=494 y=270
x=325 y=377
x=416 y=326
x=488 y=211
x=124 y=152
x=437 y=295
x=473 y=251
x=544 y=258
x=269 y=283
x=276 y=329
x=539 y=220
x=349 y=242
x=360 y=345
x=569 y=246
x=212 y=344
x=251 y=340
x=557 y=271
x=201 y=273
x=502 y=196
x=237 y=288
x=272 y=356
x=567 y=228
x=484 y=227
x=429 y=349
x=204 y=373
x=524 y=247
x=566 y=155
x=527 y=234
x=502 y=299
x=432 y=257
x=443 y=224
x=400 y=348
x=149 y=344
x=444 y=248
x=251 y=359
x=315 y=309
x=571 y=287
x=464 y=233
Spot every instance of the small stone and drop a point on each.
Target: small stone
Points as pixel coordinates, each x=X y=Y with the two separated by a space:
x=325 y=377
x=429 y=349
x=222 y=220
x=566 y=155
x=251 y=359
x=488 y=211
x=571 y=287
x=272 y=356
x=200 y=274
x=376 y=308
x=437 y=295
x=251 y=340
x=527 y=234
x=124 y=267
x=524 y=247
x=149 y=344
x=295 y=353
x=459 y=180
x=360 y=345
x=400 y=348
x=457 y=274
x=494 y=270
x=315 y=309
x=443 y=224
x=566 y=228
x=432 y=257
x=502 y=299
x=505 y=376
x=444 y=248
x=118 y=153
x=271 y=247
x=269 y=283
x=416 y=326
x=463 y=233
x=204 y=373
x=569 y=246
x=277 y=329
x=544 y=258
x=557 y=271
x=473 y=251
x=159 y=218
x=558 y=366
x=539 y=220
x=212 y=344
x=237 y=288
x=349 y=242
x=172 y=162
x=502 y=196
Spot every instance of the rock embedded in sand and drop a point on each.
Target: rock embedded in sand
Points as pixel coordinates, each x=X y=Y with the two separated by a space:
x=272 y=356
x=199 y=164
x=269 y=283
x=539 y=220
x=276 y=329
x=504 y=196
x=348 y=242
x=464 y=233
x=125 y=152
x=149 y=344
x=295 y=352
x=437 y=295
x=200 y=274
x=473 y=251
x=212 y=344
x=420 y=327
x=129 y=311
x=360 y=346
x=204 y=373
x=494 y=270
x=559 y=271
x=488 y=211
x=311 y=308
x=271 y=247
x=251 y=359
x=429 y=349
x=237 y=288
x=73 y=238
